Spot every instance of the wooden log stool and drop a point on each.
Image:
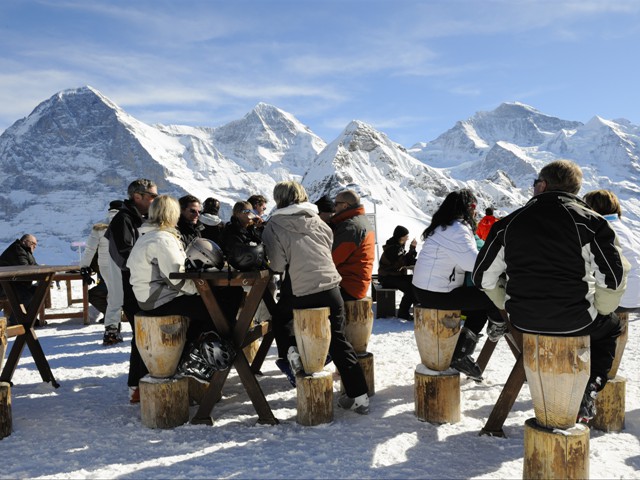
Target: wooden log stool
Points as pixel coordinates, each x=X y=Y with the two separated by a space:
x=437 y=387
x=6 y=420
x=557 y=371
x=315 y=386
x=164 y=397
x=611 y=400
x=357 y=330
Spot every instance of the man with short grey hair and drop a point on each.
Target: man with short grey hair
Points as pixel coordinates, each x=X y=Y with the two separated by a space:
x=353 y=245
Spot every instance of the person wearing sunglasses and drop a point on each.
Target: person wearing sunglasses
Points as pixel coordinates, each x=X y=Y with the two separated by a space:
x=439 y=276
x=189 y=224
x=122 y=234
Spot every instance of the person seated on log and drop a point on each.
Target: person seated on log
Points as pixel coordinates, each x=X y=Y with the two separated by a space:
x=189 y=224
x=299 y=242
x=157 y=254
x=20 y=252
x=556 y=267
x=449 y=250
x=392 y=268
x=606 y=203
x=211 y=222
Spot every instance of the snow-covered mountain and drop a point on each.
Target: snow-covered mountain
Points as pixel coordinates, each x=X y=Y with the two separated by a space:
x=78 y=150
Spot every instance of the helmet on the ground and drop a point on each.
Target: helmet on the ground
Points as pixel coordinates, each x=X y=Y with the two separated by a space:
x=206 y=356
x=247 y=257
x=203 y=253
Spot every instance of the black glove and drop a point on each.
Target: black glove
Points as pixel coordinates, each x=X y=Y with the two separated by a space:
x=86 y=272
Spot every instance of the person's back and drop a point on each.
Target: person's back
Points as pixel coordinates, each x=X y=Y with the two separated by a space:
x=551 y=288
x=556 y=266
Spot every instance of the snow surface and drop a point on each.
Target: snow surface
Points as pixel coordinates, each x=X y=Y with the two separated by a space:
x=87 y=428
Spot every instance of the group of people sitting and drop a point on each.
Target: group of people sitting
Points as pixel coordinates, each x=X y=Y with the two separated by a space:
x=555 y=266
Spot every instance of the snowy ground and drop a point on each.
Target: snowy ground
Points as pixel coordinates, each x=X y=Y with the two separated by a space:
x=87 y=428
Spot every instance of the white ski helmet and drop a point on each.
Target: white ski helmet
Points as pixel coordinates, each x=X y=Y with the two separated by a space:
x=202 y=254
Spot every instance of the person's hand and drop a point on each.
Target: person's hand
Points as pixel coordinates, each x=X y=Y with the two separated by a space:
x=86 y=273
x=413 y=243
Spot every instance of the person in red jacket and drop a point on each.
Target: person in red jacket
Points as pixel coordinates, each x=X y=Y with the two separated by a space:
x=485 y=224
x=353 y=245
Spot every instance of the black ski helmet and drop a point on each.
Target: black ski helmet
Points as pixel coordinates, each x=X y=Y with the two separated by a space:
x=247 y=257
x=206 y=356
x=203 y=253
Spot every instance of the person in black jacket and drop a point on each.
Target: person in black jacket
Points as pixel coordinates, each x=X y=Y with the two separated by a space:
x=20 y=252
x=122 y=235
x=189 y=224
x=392 y=268
x=212 y=224
x=565 y=273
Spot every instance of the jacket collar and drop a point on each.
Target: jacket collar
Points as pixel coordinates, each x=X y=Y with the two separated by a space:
x=347 y=214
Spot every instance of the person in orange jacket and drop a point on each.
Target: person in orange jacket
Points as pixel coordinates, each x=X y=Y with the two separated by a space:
x=353 y=245
x=484 y=226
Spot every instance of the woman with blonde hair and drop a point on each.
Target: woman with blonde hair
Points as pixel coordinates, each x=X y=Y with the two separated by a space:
x=299 y=243
x=156 y=255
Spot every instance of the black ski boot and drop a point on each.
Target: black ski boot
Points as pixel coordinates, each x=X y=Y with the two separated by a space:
x=462 y=360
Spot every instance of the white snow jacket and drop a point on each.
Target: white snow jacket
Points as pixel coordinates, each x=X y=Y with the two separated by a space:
x=630 y=244
x=96 y=242
x=445 y=256
x=297 y=237
x=156 y=255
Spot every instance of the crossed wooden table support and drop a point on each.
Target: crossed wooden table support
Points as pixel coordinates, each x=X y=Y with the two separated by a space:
x=10 y=278
x=239 y=333
x=511 y=388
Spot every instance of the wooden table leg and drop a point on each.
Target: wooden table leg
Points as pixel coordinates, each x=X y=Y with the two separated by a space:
x=505 y=401
x=28 y=319
x=265 y=415
x=212 y=396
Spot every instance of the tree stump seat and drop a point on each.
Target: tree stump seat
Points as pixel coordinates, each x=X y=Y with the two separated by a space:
x=611 y=401
x=164 y=397
x=315 y=387
x=437 y=387
x=557 y=371
x=357 y=330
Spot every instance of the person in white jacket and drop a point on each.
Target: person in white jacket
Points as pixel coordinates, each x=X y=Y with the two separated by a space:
x=606 y=203
x=448 y=252
x=110 y=274
x=158 y=253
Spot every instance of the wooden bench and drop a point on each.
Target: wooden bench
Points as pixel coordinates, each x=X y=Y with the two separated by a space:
x=6 y=421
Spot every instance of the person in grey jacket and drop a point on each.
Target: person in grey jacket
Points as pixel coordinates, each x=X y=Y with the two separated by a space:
x=299 y=242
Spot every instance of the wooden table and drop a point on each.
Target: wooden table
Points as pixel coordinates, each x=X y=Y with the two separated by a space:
x=44 y=275
x=239 y=333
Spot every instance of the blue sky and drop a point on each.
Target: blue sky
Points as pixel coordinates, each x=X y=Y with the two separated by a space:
x=409 y=68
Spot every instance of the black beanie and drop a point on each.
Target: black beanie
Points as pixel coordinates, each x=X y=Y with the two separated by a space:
x=325 y=205
x=116 y=205
x=400 y=232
